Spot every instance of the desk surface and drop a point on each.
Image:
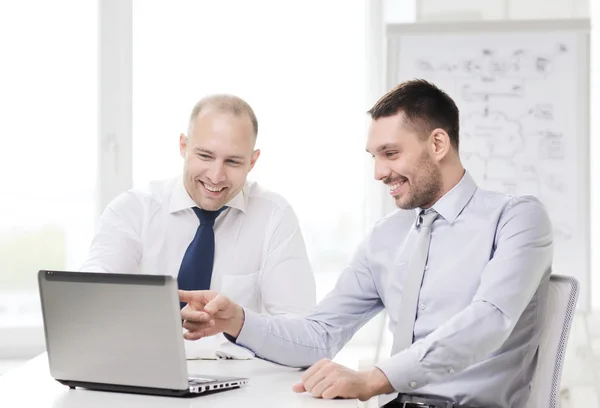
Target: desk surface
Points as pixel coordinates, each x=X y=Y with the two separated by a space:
x=31 y=385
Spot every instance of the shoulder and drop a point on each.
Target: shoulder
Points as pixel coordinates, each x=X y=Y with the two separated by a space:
x=153 y=195
x=494 y=205
x=516 y=218
x=488 y=201
x=525 y=203
x=507 y=206
x=527 y=212
x=261 y=198
x=523 y=215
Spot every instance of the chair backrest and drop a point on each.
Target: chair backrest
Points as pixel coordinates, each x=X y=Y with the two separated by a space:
x=562 y=298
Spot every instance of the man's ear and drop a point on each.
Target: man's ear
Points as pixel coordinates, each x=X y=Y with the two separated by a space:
x=254 y=158
x=440 y=143
x=182 y=145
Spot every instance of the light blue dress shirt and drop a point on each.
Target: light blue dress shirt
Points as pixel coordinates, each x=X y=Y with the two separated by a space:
x=480 y=307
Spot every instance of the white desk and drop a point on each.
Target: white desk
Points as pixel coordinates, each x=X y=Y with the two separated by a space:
x=270 y=385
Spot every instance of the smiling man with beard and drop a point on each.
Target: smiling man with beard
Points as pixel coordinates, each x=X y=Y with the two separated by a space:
x=463 y=275
x=211 y=227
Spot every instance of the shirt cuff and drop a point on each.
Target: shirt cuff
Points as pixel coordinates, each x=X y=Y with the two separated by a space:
x=254 y=331
x=404 y=370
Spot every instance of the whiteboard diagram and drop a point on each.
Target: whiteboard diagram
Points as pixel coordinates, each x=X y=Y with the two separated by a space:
x=521 y=113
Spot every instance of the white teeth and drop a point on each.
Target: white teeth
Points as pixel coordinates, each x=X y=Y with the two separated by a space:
x=394 y=186
x=213 y=189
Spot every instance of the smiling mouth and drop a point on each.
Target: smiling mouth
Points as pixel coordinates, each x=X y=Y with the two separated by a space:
x=211 y=188
x=394 y=189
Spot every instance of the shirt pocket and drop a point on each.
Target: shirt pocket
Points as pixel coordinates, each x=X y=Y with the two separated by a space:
x=242 y=289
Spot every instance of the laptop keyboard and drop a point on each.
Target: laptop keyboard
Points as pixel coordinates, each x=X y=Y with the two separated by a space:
x=199 y=380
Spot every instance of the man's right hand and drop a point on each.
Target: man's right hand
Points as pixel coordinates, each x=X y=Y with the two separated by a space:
x=207 y=313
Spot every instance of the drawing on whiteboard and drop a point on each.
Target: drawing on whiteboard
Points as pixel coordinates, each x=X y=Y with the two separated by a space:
x=509 y=139
x=490 y=65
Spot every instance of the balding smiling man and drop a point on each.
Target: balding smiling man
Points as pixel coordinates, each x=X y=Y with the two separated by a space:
x=211 y=227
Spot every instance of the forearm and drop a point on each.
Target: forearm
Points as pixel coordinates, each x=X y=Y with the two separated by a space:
x=468 y=338
x=290 y=341
x=301 y=341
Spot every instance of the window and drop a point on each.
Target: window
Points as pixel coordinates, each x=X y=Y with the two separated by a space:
x=301 y=66
x=305 y=82
x=47 y=154
x=595 y=156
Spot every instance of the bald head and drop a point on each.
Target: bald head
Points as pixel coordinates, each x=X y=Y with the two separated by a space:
x=225 y=104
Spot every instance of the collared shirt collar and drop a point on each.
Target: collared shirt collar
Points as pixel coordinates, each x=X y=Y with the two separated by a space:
x=181 y=200
x=454 y=201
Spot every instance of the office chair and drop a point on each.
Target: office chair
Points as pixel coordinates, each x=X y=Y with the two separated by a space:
x=560 y=310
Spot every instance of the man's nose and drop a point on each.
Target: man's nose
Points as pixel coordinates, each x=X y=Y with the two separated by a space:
x=216 y=173
x=381 y=170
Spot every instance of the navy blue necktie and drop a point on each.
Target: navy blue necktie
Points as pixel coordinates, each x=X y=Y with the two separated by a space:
x=196 y=267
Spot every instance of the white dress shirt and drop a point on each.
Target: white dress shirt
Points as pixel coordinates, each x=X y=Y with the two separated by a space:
x=480 y=309
x=260 y=256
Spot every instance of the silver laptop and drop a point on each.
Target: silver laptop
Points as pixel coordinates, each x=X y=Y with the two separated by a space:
x=116 y=332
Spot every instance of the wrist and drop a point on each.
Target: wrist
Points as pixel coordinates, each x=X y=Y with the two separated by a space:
x=377 y=382
x=236 y=323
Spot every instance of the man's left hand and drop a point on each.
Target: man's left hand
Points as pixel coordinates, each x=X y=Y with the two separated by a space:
x=328 y=380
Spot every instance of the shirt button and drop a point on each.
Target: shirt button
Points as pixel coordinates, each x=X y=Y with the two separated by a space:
x=451 y=370
x=422 y=306
x=413 y=384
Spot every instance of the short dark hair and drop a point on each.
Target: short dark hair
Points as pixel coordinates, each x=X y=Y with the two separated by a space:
x=425 y=106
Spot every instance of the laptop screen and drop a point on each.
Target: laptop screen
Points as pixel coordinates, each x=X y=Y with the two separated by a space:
x=113 y=329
